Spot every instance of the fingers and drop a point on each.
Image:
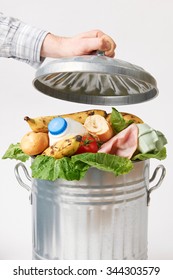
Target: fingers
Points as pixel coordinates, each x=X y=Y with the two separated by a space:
x=91 y=34
x=97 y=40
x=89 y=45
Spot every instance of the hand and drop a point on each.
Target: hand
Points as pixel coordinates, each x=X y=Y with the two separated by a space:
x=82 y=44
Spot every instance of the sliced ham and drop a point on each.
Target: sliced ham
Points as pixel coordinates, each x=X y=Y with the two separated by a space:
x=123 y=144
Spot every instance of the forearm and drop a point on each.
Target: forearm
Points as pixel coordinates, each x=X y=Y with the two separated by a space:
x=20 y=41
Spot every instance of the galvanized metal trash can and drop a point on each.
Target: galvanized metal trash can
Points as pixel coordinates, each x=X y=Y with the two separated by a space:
x=101 y=217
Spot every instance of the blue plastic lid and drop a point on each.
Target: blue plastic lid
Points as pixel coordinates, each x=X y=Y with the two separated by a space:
x=57 y=126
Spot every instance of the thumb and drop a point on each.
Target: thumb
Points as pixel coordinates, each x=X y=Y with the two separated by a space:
x=107 y=45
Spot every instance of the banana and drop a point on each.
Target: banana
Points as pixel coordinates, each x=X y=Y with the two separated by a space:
x=132 y=117
x=63 y=148
x=127 y=117
x=40 y=124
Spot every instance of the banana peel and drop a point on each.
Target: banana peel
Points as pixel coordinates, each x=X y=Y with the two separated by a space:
x=64 y=148
x=40 y=124
x=127 y=117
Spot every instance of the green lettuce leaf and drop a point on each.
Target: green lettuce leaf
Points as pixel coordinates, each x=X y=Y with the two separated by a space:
x=49 y=168
x=14 y=152
x=75 y=168
x=118 y=122
x=160 y=155
x=117 y=165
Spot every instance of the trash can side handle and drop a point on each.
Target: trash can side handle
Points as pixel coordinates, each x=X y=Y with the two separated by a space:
x=18 y=177
x=158 y=184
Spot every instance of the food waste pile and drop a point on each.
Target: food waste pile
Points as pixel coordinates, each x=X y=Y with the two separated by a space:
x=66 y=146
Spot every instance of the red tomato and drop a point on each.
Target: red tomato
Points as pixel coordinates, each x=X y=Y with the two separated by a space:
x=88 y=145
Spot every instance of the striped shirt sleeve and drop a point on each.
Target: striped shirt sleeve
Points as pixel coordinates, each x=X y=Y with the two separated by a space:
x=21 y=41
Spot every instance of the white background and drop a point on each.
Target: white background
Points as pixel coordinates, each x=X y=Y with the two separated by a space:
x=143 y=30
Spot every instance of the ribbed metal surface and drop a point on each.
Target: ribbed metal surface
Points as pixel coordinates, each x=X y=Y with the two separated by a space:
x=99 y=217
x=93 y=79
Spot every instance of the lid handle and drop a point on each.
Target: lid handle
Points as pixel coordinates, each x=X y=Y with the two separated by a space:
x=100 y=53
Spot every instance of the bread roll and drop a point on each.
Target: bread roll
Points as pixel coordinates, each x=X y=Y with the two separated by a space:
x=98 y=127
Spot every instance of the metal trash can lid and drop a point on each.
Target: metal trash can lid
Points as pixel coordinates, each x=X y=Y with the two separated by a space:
x=95 y=79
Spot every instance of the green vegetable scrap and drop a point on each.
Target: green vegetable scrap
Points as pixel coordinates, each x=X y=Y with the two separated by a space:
x=160 y=155
x=75 y=168
x=118 y=122
x=14 y=152
x=49 y=168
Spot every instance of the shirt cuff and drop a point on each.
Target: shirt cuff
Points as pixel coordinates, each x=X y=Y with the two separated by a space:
x=26 y=44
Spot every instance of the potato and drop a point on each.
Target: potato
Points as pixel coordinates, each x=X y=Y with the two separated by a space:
x=34 y=143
